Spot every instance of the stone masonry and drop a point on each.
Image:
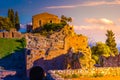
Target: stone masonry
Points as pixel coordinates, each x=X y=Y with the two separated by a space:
x=112 y=61
x=49 y=52
x=10 y=34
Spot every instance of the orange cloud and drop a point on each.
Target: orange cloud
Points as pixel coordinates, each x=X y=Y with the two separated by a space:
x=54 y=7
x=101 y=21
x=97 y=3
x=98 y=32
x=84 y=27
x=90 y=3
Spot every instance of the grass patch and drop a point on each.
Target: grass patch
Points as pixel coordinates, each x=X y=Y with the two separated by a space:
x=9 y=46
x=98 y=75
x=75 y=76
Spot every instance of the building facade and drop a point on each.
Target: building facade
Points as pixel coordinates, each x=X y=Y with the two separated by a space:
x=44 y=18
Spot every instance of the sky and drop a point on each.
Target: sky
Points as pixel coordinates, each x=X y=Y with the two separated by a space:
x=90 y=17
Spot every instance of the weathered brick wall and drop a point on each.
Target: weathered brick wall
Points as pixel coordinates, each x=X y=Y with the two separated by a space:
x=10 y=34
x=112 y=61
x=17 y=34
x=1 y=34
x=6 y=34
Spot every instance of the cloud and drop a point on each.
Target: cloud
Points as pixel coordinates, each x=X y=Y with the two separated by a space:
x=54 y=7
x=101 y=21
x=29 y=23
x=118 y=20
x=97 y=33
x=22 y=26
x=95 y=3
x=84 y=27
x=92 y=32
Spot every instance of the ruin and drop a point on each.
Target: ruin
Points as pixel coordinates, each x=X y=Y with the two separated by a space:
x=11 y=34
x=111 y=61
x=49 y=52
x=40 y=20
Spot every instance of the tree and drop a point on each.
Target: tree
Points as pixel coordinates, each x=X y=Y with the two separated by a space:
x=17 y=23
x=65 y=19
x=9 y=13
x=12 y=21
x=5 y=23
x=110 y=41
x=100 y=49
x=11 y=16
x=69 y=19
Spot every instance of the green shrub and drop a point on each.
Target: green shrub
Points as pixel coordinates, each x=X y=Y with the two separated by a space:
x=67 y=76
x=98 y=75
x=23 y=42
x=52 y=26
x=75 y=76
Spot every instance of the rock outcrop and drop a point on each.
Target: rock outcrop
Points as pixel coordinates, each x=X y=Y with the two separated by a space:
x=112 y=61
x=72 y=60
x=49 y=52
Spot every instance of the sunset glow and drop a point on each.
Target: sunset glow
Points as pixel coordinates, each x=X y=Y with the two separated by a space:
x=90 y=17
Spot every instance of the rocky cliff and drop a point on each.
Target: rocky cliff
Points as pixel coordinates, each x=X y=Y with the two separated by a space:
x=50 y=52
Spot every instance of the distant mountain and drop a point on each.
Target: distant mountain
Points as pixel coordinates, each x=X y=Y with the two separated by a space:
x=92 y=44
x=118 y=48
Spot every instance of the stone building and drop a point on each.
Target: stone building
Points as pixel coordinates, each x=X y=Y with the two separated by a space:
x=44 y=18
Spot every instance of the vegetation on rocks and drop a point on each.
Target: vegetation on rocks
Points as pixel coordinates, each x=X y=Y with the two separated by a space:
x=105 y=49
x=88 y=73
x=51 y=28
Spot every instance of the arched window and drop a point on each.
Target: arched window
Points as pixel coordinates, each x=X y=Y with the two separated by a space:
x=12 y=35
x=3 y=34
x=50 y=21
x=40 y=22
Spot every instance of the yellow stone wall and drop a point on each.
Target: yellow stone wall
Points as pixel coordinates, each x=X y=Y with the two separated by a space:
x=76 y=42
x=44 y=18
x=59 y=44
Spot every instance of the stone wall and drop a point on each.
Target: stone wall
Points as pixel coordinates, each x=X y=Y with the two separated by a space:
x=10 y=34
x=85 y=73
x=5 y=73
x=112 y=61
x=49 y=52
